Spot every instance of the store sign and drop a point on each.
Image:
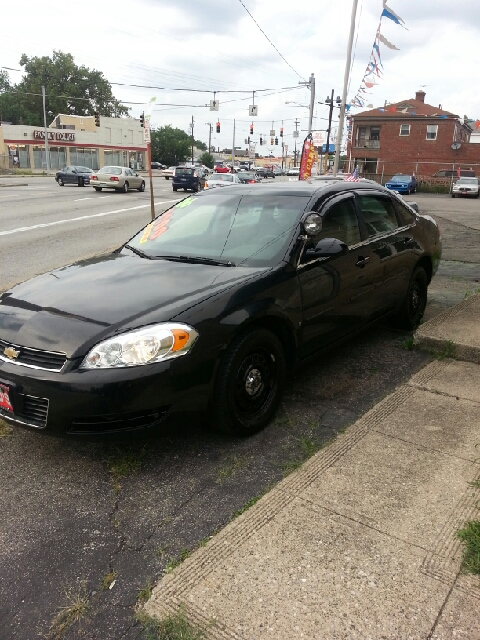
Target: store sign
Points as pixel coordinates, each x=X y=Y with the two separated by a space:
x=146 y=132
x=61 y=136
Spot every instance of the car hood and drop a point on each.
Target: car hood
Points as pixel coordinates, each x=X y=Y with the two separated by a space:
x=74 y=307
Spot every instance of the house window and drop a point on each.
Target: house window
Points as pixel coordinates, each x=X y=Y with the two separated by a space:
x=432 y=130
x=404 y=129
x=374 y=133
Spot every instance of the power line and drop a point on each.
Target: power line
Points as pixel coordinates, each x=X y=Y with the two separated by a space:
x=286 y=61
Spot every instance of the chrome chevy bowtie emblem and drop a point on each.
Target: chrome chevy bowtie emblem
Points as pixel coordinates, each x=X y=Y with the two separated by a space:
x=11 y=353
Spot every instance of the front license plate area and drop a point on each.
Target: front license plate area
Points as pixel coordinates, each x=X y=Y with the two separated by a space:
x=5 y=403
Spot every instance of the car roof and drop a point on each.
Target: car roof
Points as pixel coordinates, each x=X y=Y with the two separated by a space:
x=305 y=189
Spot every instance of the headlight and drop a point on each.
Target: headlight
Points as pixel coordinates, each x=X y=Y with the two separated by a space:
x=155 y=343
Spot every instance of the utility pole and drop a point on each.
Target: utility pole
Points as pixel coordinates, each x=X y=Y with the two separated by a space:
x=209 y=136
x=345 y=87
x=233 y=148
x=311 y=85
x=327 y=148
x=192 y=137
x=47 y=152
x=297 y=122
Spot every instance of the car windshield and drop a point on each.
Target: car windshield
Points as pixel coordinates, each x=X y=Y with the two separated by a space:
x=83 y=169
x=468 y=181
x=114 y=171
x=184 y=171
x=222 y=177
x=248 y=176
x=400 y=178
x=251 y=230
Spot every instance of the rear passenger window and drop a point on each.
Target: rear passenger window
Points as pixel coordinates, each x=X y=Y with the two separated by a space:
x=379 y=214
x=405 y=214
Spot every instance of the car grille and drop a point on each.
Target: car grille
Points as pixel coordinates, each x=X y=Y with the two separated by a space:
x=114 y=422
x=32 y=411
x=35 y=358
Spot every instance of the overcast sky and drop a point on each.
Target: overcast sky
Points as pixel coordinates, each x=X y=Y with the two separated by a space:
x=214 y=45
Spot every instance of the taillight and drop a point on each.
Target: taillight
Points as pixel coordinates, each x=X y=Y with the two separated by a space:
x=251 y=181
x=93 y=178
x=114 y=178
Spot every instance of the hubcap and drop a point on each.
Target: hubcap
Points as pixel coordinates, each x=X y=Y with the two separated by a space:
x=253 y=382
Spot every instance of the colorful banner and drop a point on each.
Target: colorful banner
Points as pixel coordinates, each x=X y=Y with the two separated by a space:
x=307 y=159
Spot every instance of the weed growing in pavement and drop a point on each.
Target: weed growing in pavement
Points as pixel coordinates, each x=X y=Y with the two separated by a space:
x=74 y=611
x=475 y=484
x=108 y=578
x=409 y=344
x=308 y=448
x=161 y=551
x=247 y=505
x=469 y=294
x=145 y=594
x=448 y=351
x=5 y=430
x=230 y=467
x=470 y=536
x=173 y=627
x=122 y=462
x=183 y=555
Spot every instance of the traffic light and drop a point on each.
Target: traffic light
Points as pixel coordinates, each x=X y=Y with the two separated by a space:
x=248 y=140
x=251 y=129
x=276 y=141
x=218 y=126
x=97 y=119
x=261 y=140
x=142 y=119
x=281 y=132
x=271 y=141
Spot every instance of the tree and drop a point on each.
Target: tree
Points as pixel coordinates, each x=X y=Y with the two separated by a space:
x=207 y=159
x=200 y=145
x=69 y=89
x=6 y=98
x=170 y=146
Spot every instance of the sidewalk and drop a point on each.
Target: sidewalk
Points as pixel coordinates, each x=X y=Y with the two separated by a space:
x=360 y=542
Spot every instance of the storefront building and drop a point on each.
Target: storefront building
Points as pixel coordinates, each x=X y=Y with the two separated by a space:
x=74 y=140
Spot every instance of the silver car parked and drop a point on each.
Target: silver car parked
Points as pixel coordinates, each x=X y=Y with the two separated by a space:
x=118 y=178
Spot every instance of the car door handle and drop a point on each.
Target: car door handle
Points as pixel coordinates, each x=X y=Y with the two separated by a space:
x=361 y=262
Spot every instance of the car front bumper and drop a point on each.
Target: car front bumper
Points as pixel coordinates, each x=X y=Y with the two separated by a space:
x=106 y=402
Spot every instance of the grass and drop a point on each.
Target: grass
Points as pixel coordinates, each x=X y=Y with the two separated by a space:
x=173 y=627
x=73 y=612
x=145 y=594
x=247 y=505
x=469 y=293
x=448 y=351
x=122 y=462
x=308 y=447
x=161 y=551
x=230 y=468
x=5 y=430
x=108 y=578
x=183 y=555
x=409 y=344
x=470 y=536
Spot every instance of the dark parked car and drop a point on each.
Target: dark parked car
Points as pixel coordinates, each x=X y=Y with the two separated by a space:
x=157 y=165
x=248 y=177
x=208 y=307
x=188 y=178
x=74 y=175
x=402 y=183
x=265 y=172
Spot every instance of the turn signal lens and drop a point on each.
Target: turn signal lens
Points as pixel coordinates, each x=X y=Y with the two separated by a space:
x=114 y=178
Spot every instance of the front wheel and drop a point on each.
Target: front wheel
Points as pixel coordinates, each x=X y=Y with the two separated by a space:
x=124 y=189
x=249 y=383
x=167 y=178
x=142 y=186
x=175 y=188
x=60 y=182
x=453 y=195
x=413 y=307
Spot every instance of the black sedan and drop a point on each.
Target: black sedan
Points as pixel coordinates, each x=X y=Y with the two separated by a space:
x=74 y=175
x=208 y=307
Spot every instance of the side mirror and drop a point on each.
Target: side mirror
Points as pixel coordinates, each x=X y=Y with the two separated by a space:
x=74 y=171
x=136 y=175
x=326 y=248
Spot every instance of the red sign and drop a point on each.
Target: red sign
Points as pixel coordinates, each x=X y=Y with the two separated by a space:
x=63 y=136
x=5 y=399
x=307 y=160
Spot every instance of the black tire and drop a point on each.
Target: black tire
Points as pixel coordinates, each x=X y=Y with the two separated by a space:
x=175 y=188
x=142 y=186
x=81 y=182
x=60 y=182
x=413 y=307
x=124 y=189
x=249 y=383
x=98 y=188
x=453 y=195
x=167 y=178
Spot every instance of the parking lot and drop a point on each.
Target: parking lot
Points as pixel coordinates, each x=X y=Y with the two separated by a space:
x=99 y=523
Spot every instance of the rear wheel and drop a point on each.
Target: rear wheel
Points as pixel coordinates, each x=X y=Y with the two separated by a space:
x=124 y=189
x=453 y=195
x=167 y=178
x=60 y=182
x=413 y=307
x=142 y=186
x=81 y=182
x=175 y=188
x=249 y=384
x=97 y=188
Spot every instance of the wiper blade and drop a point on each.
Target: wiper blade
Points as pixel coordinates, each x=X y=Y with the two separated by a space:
x=197 y=260
x=138 y=252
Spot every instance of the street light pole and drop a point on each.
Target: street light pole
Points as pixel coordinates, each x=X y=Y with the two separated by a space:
x=297 y=122
x=233 y=148
x=327 y=148
x=209 y=136
x=192 y=138
x=345 y=87
x=47 y=152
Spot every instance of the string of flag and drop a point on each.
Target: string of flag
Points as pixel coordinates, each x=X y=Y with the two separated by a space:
x=374 y=69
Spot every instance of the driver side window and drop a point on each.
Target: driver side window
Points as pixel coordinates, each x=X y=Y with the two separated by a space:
x=340 y=222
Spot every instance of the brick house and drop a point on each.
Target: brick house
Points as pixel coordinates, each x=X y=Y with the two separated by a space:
x=410 y=137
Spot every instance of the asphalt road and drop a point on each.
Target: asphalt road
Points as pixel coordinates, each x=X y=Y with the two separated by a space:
x=78 y=518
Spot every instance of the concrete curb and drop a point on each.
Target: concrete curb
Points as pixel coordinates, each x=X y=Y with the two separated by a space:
x=22 y=184
x=449 y=331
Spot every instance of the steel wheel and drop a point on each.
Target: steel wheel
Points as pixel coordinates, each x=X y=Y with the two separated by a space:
x=249 y=383
x=60 y=182
x=124 y=189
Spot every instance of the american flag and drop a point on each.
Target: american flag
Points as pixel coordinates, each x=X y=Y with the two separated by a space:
x=353 y=177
